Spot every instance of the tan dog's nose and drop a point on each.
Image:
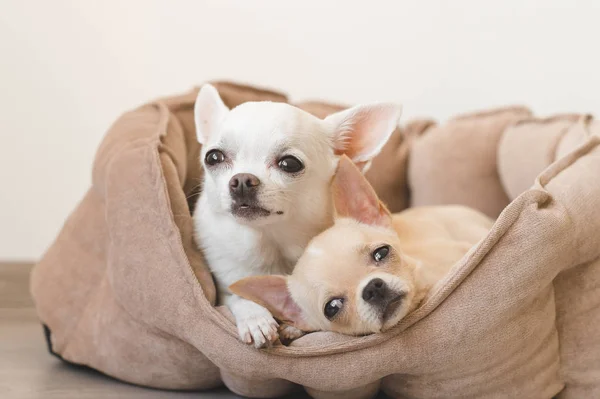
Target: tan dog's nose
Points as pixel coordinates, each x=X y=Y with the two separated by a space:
x=375 y=292
x=243 y=185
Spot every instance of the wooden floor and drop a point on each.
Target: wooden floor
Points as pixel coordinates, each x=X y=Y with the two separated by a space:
x=28 y=371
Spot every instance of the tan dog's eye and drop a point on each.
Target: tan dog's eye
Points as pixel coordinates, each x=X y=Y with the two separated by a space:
x=381 y=253
x=333 y=307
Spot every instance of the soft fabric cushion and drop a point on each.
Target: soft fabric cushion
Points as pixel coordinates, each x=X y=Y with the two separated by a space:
x=528 y=147
x=525 y=149
x=124 y=290
x=455 y=163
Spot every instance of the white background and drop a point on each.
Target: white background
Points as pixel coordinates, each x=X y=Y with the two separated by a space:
x=69 y=68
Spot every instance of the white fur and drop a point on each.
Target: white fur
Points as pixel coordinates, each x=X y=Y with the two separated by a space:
x=314 y=250
x=254 y=136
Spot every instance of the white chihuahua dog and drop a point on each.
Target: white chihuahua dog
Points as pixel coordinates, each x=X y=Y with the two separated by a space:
x=266 y=189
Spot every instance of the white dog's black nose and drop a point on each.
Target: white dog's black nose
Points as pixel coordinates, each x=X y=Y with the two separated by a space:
x=244 y=185
x=375 y=292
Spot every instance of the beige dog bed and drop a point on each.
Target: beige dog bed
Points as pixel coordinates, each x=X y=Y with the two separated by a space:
x=125 y=291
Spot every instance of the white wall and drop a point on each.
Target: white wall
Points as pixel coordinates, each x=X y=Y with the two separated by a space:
x=69 y=68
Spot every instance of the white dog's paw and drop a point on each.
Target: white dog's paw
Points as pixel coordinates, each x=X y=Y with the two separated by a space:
x=255 y=324
x=260 y=330
x=290 y=333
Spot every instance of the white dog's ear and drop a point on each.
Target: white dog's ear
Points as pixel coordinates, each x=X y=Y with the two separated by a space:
x=361 y=132
x=271 y=291
x=355 y=198
x=209 y=112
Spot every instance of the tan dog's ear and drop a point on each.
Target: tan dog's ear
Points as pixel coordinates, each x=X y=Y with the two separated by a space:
x=361 y=131
x=354 y=197
x=272 y=293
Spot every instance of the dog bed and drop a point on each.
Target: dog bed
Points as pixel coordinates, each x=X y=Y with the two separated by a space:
x=124 y=290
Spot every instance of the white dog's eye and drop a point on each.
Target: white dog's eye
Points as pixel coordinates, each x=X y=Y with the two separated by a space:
x=333 y=307
x=381 y=253
x=290 y=164
x=214 y=157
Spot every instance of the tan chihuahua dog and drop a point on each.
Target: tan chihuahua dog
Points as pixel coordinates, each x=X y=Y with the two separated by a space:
x=371 y=268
